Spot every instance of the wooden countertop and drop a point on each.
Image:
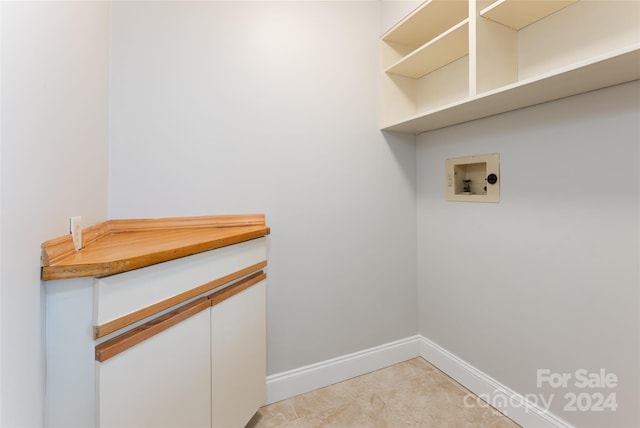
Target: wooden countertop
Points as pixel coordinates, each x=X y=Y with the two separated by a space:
x=116 y=246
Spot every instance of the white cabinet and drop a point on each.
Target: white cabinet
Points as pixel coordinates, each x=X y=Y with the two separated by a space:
x=453 y=61
x=163 y=381
x=178 y=343
x=238 y=367
x=201 y=365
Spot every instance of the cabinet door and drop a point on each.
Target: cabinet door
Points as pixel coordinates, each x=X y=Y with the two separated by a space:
x=163 y=381
x=238 y=357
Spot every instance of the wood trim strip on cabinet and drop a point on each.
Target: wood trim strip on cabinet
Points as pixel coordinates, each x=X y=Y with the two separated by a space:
x=232 y=290
x=121 y=343
x=126 y=320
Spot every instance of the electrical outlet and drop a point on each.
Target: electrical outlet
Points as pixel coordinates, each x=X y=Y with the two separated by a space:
x=76 y=231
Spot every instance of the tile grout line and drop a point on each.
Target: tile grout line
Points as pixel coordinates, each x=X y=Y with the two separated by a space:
x=409 y=372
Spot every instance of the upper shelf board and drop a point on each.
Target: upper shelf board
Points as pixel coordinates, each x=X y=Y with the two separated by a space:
x=518 y=14
x=427 y=22
x=599 y=72
x=439 y=52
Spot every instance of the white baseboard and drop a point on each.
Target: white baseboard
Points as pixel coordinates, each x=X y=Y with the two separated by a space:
x=287 y=384
x=509 y=402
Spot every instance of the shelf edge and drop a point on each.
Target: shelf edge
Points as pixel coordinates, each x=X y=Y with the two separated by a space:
x=444 y=116
x=486 y=12
x=449 y=33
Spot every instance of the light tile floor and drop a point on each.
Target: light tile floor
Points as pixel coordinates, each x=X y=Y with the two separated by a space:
x=410 y=394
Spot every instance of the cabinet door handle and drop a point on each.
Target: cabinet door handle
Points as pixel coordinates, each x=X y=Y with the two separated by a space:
x=232 y=290
x=118 y=344
x=132 y=318
x=121 y=343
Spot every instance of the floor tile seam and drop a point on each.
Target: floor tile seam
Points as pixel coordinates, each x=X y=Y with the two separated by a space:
x=393 y=413
x=451 y=397
x=496 y=412
x=289 y=404
x=317 y=414
x=295 y=412
x=389 y=411
x=399 y=385
x=359 y=393
x=332 y=409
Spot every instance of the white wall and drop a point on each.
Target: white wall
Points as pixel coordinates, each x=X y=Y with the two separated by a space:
x=548 y=278
x=54 y=165
x=0 y=212
x=393 y=11
x=240 y=107
x=232 y=107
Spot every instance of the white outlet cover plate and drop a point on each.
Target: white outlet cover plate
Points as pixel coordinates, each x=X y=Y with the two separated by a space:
x=75 y=224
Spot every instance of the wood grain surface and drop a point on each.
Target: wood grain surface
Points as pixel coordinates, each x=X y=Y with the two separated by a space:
x=121 y=245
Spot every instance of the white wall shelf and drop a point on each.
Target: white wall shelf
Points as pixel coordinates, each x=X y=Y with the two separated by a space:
x=444 y=49
x=562 y=48
x=428 y=21
x=518 y=14
x=600 y=72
